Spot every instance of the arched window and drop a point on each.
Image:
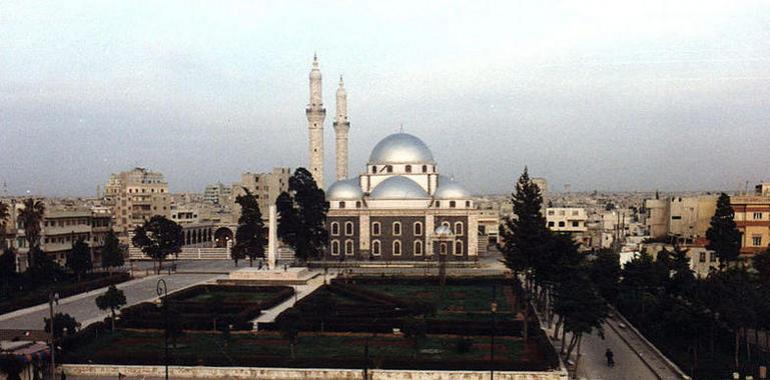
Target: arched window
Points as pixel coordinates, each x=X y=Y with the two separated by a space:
x=442 y=249
x=438 y=204
x=445 y=223
x=349 y=248
x=408 y=168
x=358 y=204
x=418 y=248
x=425 y=168
x=342 y=204
x=459 y=248
x=468 y=204
x=417 y=228
x=335 y=247
x=376 y=229
x=452 y=204
x=376 y=248
x=396 y=248
x=459 y=228
x=349 y=228
x=389 y=168
x=335 y=227
x=374 y=168
x=396 y=228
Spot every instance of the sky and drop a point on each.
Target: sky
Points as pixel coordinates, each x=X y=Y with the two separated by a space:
x=601 y=95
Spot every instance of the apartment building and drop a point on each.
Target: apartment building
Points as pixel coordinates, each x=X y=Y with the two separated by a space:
x=217 y=193
x=136 y=196
x=64 y=223
x=571 y=220
x=684 y=218
x=266 y=186
x=752 y=217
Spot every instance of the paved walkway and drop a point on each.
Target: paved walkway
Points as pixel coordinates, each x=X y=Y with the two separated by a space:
x=630 y=356
x=83 y=306
x=301 y=291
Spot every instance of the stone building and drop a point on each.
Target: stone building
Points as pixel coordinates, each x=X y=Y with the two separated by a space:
x=752 y=217
x=392 y=212
x=265 y=186
x=136 y=196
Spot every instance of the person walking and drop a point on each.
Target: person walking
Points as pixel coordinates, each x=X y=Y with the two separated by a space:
x=610 y=358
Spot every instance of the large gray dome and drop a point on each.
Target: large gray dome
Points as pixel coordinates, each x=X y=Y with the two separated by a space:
x=450 y=189
x=344 y=190
x=401 y=148
x=399 y=187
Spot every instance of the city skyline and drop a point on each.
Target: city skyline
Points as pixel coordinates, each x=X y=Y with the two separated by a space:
x=643 y=97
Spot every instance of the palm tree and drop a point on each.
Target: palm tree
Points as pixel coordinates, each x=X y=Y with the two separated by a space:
x=4 y=215
x=30 y=217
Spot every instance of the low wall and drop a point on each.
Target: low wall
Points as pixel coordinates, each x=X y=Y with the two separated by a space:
x=108 y=371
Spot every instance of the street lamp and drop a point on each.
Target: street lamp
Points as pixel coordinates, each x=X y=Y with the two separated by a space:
x=52 y=298
x=162 y=290
x=493 y=309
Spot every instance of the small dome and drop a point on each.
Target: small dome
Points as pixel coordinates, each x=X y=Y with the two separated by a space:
x=401 y=148
x=450 y=189
x=443 y=230
x=346 y=189
x=399 y=187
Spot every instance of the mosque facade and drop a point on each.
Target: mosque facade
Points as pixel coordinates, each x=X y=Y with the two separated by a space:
x=400 y=208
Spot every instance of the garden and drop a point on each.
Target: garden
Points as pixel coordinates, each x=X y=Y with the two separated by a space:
x=205 y=307
x=393 y=323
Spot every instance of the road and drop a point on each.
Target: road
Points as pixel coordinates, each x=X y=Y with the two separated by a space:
x=83 y=306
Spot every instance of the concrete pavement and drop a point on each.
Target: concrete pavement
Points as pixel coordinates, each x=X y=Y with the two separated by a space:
x=83 y=306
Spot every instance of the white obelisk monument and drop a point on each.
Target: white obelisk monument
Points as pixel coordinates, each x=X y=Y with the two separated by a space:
x=272 y=237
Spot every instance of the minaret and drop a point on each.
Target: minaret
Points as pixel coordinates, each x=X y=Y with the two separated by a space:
x=341 y=127
x=316 y=113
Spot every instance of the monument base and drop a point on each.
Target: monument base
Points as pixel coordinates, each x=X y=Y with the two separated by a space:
x=254 y=276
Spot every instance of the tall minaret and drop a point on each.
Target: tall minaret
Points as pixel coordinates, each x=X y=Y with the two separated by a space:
x=341 y=127
x=316 y=113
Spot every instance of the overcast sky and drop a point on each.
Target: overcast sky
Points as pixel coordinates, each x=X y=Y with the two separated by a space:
x=615 y=95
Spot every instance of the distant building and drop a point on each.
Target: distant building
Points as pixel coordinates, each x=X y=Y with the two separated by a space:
x=683 y=218
x=64 y=223
x=136 y=196
x=752 y=217
x=217 y=193
x=266 y=186
x=571 y=220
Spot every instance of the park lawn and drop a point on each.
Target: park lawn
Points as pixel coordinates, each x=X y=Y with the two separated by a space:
x=457 y=298
x=241 y=346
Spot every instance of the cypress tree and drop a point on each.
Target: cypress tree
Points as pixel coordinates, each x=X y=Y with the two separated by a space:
x=112 y=254
x=302 y=216
x=249 y=237
x=524 y=234
x=724 y=237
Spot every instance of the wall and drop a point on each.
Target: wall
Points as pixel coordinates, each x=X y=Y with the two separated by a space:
x=111 y=371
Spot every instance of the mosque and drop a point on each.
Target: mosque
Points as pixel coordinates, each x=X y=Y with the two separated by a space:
x=401 y=208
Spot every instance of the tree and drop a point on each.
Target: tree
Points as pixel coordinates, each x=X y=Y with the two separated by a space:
x=46 y=270
x=302 y=216
x=158 y=238
x=4 y=215
x=31 y=217
x=8 y=272
x=524 y=234
x=11 y=366
x=79 y=258
x=288 y=323
x=113 y=299
x=761 y=263
x=583 y=309
x=605 y=274
x=682 y=277
x=62 y=324
x=723 y=235
x=112 y=253
x=416 y=330
x=250 y=236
